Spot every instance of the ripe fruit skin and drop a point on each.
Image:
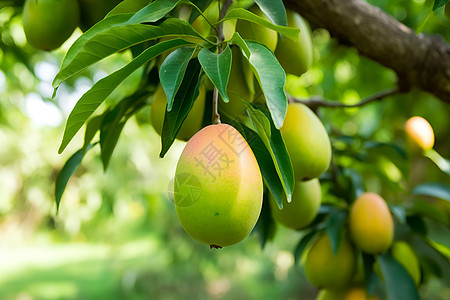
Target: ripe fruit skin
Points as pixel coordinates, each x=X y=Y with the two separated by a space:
x=303 y=208
x=93 y=11
x=218 y=187
x=371 y=224
x=326 y=270
x=255 y=32
x=420 y=133
x=307 y=142
x=403 y=253
x=240 y=85
x=49 y=23
x=296 y=57
x=355 y=293
x=358 y=293
x=191 y=124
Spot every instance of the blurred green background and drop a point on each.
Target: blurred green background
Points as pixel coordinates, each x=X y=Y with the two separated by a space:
x=117 y=235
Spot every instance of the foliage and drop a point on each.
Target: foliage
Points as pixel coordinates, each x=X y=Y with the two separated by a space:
x=369 y=146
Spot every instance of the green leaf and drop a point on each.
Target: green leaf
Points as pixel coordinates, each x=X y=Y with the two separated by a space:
x=335 y=226
x=265 y=162
x=439 y=3
x=217 y=67
x=92 y=99
x=93 y=47
x=438 y=232
x=399 y=284
x=202 y=5
x=417 y=224
x=436 y=190
x=266 y=224
x=243 y=14
x=271 y=78
x=375 y=145
x=431 y=260
x=274 y=9
x=172 y=72
x=302 y=244
x=273 y=141
x=113 y=122
x=108 y=141
x=184 y=100
x=92 y=126
x=370 y=278
x=66 y=172
x=356 y=182
x=104 y=37
x=441 y=162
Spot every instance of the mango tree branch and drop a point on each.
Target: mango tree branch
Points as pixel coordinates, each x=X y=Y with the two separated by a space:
x=315 y=102
x=420 y=61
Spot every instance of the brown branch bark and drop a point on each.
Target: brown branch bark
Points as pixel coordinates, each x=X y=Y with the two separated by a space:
x=420 y=61
x=316 y=102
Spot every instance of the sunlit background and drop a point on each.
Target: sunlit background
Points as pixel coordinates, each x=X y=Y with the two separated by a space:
x=116 y=235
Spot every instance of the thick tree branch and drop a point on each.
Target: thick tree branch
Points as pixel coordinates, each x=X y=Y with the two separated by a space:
x=420 y=61
x=315 y=102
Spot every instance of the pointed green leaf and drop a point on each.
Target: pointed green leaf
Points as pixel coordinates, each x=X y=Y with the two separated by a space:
x=399 y=284
x=266 y=224
x=271 y=78
x=102 y=39
x=108 y=141
x=92 y=99
x=66 y=172
x=437 y=190
x=243 y=14
x=302 y=244
x=271 y=137
x=335 y=226
x=92 y=126
x=441 y=162
x=439 y=3
x=371 y=279
x=265 y=162
x=202 y=5
x=91 y=48
x=217 y=67
x=183 y=102
x=274 y=9
x=172 y=72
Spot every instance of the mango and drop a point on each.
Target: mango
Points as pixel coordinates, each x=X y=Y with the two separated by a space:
x=296 y=57
x=419 y=133
x=191 y=124
x=218 y=188
x=303 y=208
x=49 y=23
x=93 y=11
x=307 y=142
x=371 y=224
x=255 y=32
x=326 y=270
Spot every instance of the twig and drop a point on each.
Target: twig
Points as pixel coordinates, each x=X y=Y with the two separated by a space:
x=315 y=102
x=223 y=11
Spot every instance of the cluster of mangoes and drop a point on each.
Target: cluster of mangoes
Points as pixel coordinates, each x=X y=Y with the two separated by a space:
x=371 y=230
x=219 y=188
x=218 y=183
x=49 y=23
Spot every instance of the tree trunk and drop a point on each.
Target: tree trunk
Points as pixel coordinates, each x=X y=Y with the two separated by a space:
x=420 y=61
